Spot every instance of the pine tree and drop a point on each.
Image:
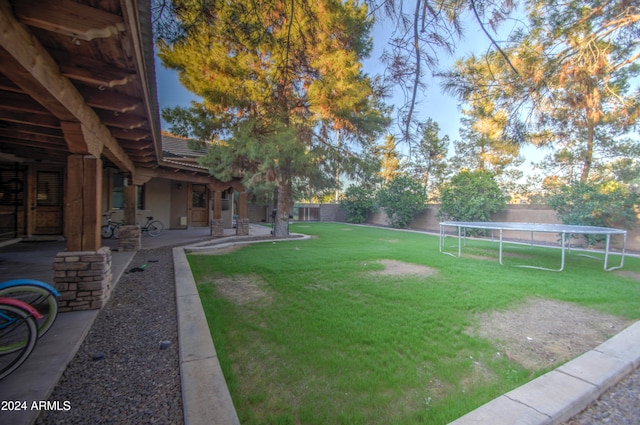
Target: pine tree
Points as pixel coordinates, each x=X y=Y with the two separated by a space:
x=275 y=77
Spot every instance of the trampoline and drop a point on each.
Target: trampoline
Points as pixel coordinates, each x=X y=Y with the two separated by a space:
x=564 y=230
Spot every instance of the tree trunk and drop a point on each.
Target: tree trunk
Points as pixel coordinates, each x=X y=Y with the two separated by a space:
x=588 y=155
x=281 y=223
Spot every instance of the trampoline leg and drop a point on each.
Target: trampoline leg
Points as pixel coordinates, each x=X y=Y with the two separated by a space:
x=500 y=246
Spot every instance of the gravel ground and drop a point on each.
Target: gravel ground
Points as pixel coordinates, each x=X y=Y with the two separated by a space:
x=121 y=375
x=618 y=406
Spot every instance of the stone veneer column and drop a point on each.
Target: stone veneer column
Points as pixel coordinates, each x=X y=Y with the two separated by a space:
x=83 y=278
x=129 y=238
x=217 y=228
x=242 y=227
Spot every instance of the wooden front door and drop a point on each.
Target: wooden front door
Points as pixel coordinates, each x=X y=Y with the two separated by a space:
x=47 y=204
x=199 y=209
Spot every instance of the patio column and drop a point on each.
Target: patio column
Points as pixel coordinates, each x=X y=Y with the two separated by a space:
x=82 y=203
x=217 y=224
x=129 y=233
x=242 y=223
x=82 y=273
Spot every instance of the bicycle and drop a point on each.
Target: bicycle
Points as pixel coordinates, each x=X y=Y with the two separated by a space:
x=152 y=227
x=41 y=296
x=110 y=229
x=18 y=333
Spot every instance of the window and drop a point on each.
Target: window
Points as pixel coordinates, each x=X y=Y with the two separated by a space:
x=198 y=196
x=49 y=189
x=117 y=193
x=140 y=205
x=12 y=187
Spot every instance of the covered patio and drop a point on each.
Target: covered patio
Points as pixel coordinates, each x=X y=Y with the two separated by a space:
x=78 y=104
x=36 y=379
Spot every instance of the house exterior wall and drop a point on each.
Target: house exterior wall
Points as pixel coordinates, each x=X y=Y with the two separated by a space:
x=157 y=202
x=168 y=201
x=258 y=213
x=179 y=208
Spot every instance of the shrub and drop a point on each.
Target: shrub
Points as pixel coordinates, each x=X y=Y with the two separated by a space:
x=609 y=204
x=358 y=202
x=402 y=199
x=471 y=196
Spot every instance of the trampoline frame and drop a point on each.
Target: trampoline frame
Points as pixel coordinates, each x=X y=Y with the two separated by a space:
x=562 y=229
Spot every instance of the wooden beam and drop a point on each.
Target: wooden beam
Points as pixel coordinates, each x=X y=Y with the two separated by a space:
x=128 y=145
x=28 y=64
x=68 y=17
x=38 y=152
x=13 y=134
x=80 y=140
x=130 y=203
x=7 y=85
x=242 y=205
x=126 y=121
x=32 y=129
x=179 y=176
x=12 y=101
x=47 y=121
x=29 y=142
x=110 y=100
x=91 y=71
x=137 y=134
x=82 y=203
x=217 y=203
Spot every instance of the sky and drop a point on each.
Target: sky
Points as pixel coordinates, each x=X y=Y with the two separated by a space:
x=442 y=108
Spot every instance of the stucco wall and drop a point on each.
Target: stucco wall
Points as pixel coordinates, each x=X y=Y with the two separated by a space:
x=428 y=221
x=258 y=213
x=178 y=198
x=157 y=202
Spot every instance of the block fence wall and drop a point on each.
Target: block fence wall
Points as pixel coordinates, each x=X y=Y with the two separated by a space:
x=429 y=222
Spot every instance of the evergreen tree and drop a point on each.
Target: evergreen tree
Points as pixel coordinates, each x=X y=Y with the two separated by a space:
x=276 y=78
x=566 y=79
x=389 y=159
x=428 y=159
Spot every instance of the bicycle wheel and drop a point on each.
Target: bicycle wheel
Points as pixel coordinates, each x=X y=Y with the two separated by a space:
x=116 y=230
x=106 y=231
x=18 y=337
x=42 y=299
x=155 y=228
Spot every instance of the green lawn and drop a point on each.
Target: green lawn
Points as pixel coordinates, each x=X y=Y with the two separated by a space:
x=308 y=333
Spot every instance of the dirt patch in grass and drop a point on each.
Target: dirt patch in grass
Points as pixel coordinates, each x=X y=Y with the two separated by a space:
x=243 y=289
x=632 y=275
x=542 y=333
x=218 y=251
x=400 y=268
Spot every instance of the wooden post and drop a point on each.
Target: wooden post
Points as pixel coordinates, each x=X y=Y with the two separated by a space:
x=217 y=205
x=82 y=203
x=242 y=222
x=216 y=224
x=242 y=205
x=130 y=203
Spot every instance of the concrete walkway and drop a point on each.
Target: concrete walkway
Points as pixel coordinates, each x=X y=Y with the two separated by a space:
x=551 y=399
x=36 y=379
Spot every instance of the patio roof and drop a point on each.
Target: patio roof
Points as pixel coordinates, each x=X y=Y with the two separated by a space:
x=78 y=77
